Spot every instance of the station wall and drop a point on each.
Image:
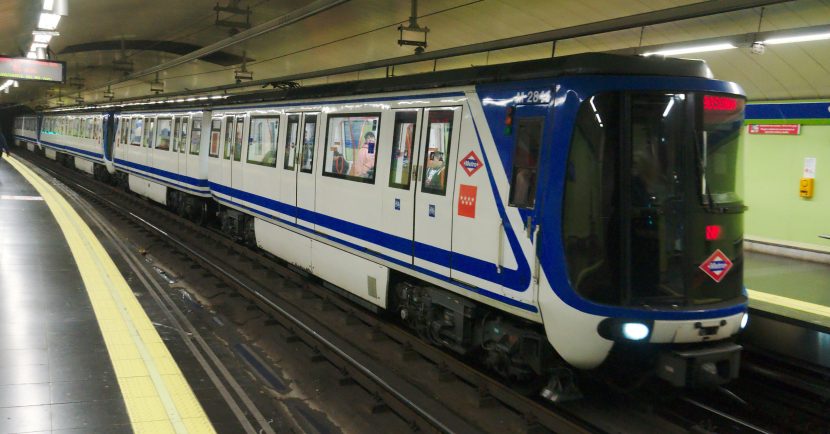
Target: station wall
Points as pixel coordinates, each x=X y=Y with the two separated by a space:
x=772 y=168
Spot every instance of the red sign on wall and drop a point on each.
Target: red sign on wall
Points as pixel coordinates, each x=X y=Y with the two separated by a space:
x=467 y=201
x=783 y=129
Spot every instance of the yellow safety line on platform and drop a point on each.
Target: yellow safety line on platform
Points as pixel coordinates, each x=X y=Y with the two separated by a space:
x=156 y=394
x=791 y=303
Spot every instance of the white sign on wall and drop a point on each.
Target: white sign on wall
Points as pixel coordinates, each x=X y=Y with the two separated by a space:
x=809 y=168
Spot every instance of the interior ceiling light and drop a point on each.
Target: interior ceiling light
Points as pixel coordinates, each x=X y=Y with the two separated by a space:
x=689 y=50
x=48 y=21
x=801 y=38
x=42 y=39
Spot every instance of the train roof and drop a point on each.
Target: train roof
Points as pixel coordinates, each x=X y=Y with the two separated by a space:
x=578 y=64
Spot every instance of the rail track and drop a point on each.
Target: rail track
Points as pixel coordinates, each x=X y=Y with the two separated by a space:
x=430 y=390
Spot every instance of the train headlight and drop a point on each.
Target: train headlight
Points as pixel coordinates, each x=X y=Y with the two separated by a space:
x=635 y=331
x=744 y=320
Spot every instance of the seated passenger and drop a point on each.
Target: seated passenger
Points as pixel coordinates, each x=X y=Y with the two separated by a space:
x=339 y=164
x=435 y=173
x=365 y=163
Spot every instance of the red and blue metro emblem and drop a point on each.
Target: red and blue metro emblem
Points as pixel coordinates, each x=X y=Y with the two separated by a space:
x=471 y=163
x=716 y=266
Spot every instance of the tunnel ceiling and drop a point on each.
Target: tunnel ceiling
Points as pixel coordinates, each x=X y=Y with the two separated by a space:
x=359 y=31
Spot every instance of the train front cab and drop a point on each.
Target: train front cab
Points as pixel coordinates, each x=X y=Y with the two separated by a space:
x=646 y=270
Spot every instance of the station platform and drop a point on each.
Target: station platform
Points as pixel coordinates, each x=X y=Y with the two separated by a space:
x=78 y=354
x=787 y=287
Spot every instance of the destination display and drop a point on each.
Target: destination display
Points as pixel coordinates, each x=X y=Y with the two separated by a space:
x=31 y=69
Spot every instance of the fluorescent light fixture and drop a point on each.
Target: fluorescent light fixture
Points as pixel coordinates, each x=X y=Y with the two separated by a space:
x=802 y=38
x=668 y=107
x=48 y=21
x=43 y=39
x=689 y=50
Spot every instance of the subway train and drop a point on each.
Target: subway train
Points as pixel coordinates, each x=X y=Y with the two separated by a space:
x=575 y=212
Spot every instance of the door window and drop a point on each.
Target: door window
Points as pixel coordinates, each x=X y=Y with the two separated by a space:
x=215 y=137
x=196 y=136
x=177 y=127
x=238 y=139
x=181 y=138
x=291 y=142
x=402 y=148
x=439 y=134
x=163 y=143
x=136 y=131
x=228 y=137
x=309 y=139
x=149 y=133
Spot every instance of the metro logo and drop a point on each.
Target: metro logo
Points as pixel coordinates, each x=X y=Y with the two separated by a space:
x=471 y=163
x=716 y=266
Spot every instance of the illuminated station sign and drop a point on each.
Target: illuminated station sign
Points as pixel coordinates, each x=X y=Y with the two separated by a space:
x=30 y=69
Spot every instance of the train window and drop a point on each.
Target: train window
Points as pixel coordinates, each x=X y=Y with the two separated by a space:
x=291 y=142
x=181 y=138
x=177 y=127
x=351 y=147
x=90 y=128
x=309 y=139
x=149 y=133
x=83 y=129
x=238 y=139
x=525 y=160
x=96 y=133
x=228 y=137
x=262 y=141
x=137 y=131
x=439 y=133
x=125 y=130
x=163 y=141
x=215 y=137
x=402 y=142
x=196 y=136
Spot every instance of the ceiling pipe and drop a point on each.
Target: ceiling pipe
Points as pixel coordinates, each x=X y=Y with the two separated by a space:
x=678 y=13
x=292 y=17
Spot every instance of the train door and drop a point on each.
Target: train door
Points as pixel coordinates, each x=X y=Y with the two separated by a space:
x=434 y=192
x=528 y=125
x=238 y=145
x=288 y=180
x=305 y=166
x=399 y=200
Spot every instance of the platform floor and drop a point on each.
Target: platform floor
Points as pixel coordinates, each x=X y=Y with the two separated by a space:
x=76 y=356
x=789 y=287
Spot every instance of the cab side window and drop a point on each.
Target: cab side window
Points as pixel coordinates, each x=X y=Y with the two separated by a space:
x=525 y=162
x=439 y=135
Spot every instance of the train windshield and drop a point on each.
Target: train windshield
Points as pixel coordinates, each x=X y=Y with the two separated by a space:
x=649 y=175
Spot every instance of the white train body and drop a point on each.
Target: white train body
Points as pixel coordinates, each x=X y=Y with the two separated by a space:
x=429 y=196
